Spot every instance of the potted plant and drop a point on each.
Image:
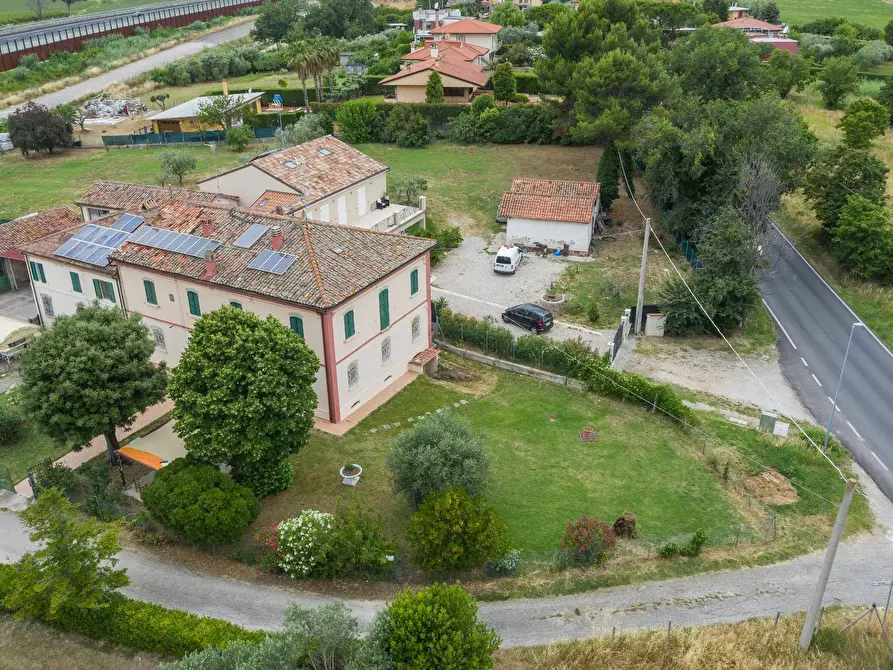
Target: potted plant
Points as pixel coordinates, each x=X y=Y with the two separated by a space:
x=587 y=433
x=350 y=474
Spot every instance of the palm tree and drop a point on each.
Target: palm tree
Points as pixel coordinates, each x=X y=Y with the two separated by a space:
x=330 y=52
x=302 y=56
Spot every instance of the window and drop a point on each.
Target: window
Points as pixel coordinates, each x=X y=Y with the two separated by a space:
x=413 y=282
x=384 y=311
x=353 y=374
x=194 y=307
x=297 y=325
x=235 y=304
x=349 y=328
x=37 y=273
x=149 y=286
x=386 y=350
x=47 y=305
x=104 y=290
x=416 y=328
x=158 y=336
x=454 y=92
x=75 y=282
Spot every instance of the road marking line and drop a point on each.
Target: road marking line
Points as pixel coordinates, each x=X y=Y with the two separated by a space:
x=880 y=461
x=817 y=380
x=804 y=361
x=779 y=324
x=853 y=428
x=838 y=406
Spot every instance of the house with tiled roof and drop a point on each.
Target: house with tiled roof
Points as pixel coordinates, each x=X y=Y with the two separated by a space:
x=360 y=299
x=323 y=180
x=759 y=31
x=107 y=197
x=473 y=32
x=551 y=214
x=457 y=64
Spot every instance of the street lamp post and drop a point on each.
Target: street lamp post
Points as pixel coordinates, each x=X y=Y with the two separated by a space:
x=846 y=353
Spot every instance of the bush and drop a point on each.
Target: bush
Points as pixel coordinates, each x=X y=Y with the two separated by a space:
x=357 y=545
x=199 y=504
x=406 y=128
x=306 y=128
x=437 y=454
x=873 y=54
x=453 y=532
x=817 y=435
x=520 y=97
x=57 y=476
x=304 y=543
x=239 y=138
x=692 y=548
x=506 y=565
x=264 y=477
x=587 y=541
x=434 y=628
x=267 y=555
x=358 y=121
x=12 y=422
x=448 y=237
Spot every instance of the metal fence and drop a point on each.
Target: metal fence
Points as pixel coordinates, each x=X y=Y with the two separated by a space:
x=153 y=139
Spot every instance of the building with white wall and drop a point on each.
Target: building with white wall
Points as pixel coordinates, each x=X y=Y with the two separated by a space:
x=472 y=31
x=551 y=214
x=426 y=20
x=110 y=197
x=323 y=180
x=360 y=299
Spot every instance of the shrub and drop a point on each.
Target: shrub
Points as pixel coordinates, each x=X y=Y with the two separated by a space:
x=437 y=454
x=453 y=532
x=267 y=555
x=434 y=88
x=12 y=422
x=56 y=476
x=177 y=163
x=520 y=97
x=482 y=103
x=587 y=541
x=239 y=138
x=308 y=127
x=434 y=628
x=199 y=504
x=357 y=545
x=692 y=548
x=304 y=543
x=505 y=565
x=358 y=121
x=407 y=128
x=872 y=54
x=264 y=477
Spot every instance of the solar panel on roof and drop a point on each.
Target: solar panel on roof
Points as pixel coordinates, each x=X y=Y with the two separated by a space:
x=92 y=244
x=253 y=234
x=170 y=240
x=274 y=262
x=128 y=223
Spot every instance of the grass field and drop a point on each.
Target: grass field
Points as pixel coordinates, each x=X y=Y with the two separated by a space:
x=30 y=449
x=870 y=12
x=15 y=10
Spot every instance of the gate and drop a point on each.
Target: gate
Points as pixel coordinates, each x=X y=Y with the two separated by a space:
x=6 y=479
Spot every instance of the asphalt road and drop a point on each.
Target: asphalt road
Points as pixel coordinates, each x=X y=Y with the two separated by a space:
x=104 y=80
x=813 y=326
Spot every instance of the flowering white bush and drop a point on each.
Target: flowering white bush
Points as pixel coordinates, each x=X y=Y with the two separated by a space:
x=302 y=542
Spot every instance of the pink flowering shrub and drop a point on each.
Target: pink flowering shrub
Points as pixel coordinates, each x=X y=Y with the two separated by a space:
x=268 y=555
x=587 y=541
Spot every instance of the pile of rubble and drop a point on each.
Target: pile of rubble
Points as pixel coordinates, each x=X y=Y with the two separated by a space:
x=104 y=107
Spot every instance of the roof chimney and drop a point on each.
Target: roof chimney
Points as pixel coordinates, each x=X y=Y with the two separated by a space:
x=280 y=210
x=434 y=50
x=210 y=264
x=278 y=240
x=225 y=88
x=207 y=227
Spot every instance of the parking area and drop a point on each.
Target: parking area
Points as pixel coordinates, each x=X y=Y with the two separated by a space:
x=467 y=281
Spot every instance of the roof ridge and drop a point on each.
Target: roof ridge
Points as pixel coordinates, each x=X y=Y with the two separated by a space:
x=311 y=257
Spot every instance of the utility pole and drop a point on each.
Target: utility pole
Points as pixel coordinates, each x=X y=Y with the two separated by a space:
x=640 y=301
x=813 y=614
x=846 y=353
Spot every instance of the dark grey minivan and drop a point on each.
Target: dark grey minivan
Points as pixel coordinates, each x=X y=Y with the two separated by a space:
x=534 y=318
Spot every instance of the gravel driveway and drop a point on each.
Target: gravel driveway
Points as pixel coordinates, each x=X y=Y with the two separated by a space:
x=467 y=281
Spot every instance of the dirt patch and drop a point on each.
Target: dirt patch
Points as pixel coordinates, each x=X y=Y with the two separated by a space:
x=464 y=222
x=457 y=374
x=772 y=487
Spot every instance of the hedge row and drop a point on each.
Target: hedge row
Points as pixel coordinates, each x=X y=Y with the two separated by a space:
x=145 y=626
x=437 y=114
x=569 y=358
x=291 y=97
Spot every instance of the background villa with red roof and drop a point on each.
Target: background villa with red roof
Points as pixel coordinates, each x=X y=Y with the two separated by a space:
x=758 y=31
x=473 y=32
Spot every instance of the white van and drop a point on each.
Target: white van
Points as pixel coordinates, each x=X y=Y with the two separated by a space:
x=508 y=258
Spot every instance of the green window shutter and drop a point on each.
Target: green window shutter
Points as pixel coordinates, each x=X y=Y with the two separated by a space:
x=413 y=282
x=194 y=307
x=97 y=289
x=75 y=282
x=235 y=304
x=297 y=325
x=150 y=292
x=348 y=325
x=111 y=290
x=43 y=277
x=34 y=275
x=384 y=311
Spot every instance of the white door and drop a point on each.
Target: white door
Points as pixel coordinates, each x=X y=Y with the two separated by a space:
x=324 y=213
x=342 y=210
x=361 y=200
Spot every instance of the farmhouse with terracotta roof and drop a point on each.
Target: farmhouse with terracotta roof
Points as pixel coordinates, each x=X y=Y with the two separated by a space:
x=322 y=180
x=106 y=197
x=551 y=214
x=758 y=31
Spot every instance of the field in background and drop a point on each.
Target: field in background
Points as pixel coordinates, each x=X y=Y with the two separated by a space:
x=14 y=11
x=870 y=12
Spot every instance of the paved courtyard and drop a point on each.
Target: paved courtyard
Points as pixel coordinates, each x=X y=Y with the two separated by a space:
x=467 y=281
x=18 y=304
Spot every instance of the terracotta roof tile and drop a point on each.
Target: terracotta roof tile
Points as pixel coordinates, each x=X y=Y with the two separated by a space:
x=750 y=23
x=467 y=27
x=121 y=195
x=553 y=187
x=332 y=262
x=550 y=200
x=321 y=167
x=270 y=200
x=26 y=229
x=468 y=72
x=448 y=49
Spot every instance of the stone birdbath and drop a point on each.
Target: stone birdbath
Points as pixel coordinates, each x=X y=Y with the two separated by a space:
x=350 y=474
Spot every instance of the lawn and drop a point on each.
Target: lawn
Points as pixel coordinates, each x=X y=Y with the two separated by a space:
x=870 y=12
x=30 y=449
x=26 y=645
x=39 y=181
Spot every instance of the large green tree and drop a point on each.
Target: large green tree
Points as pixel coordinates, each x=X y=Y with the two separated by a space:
x=718 y=7
x=786 y=71
x=507 y=15
x=305 y=58
x=505 y=88
x=344 y=19
x=863 y=239
x=89 y=374
x=838 y=79
x=864 y=119
x=74 y=569
x=836 y=175
x=716 y=64
x=244 y=392
x=276 y=19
